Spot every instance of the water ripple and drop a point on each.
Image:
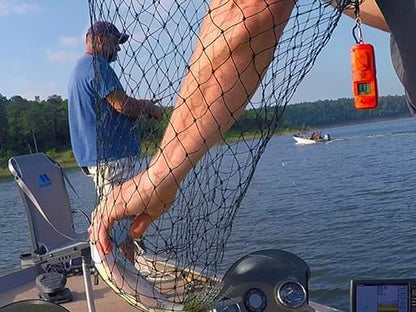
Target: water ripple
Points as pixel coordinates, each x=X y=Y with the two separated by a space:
x=347 y=208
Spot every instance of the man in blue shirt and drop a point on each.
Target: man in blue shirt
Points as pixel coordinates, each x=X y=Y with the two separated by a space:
x=105 y=150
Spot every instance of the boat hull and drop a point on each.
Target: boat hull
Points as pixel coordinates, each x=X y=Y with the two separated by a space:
x=305 y=140
x=300 y=140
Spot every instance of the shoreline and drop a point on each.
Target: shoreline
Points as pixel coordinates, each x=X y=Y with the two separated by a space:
x=67 y=161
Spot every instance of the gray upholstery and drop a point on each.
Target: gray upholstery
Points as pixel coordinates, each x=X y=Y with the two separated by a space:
x=41 y=183
x=42 y=186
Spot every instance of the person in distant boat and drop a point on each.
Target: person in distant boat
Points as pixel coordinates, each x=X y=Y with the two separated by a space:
x=93 y=76
x=235 y=47
x=316 y=135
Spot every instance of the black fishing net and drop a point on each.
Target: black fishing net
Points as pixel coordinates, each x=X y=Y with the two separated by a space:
x=190 y=75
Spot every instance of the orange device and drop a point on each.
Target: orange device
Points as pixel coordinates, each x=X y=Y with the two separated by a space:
x=364 y=82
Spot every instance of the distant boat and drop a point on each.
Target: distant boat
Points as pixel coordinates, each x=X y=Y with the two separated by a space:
x=315 y=137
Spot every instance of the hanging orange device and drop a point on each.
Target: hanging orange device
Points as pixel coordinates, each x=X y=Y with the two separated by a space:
x=364 y=82
x=363 y=67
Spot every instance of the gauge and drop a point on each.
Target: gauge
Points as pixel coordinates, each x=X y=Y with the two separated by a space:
x=231 y=307
x=255 y=300
x=291 y=294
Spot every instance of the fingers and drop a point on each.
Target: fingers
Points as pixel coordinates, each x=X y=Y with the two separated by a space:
x=140 y=225
x=99 y=232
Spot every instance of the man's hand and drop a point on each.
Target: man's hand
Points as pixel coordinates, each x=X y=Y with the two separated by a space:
x=99 y=231
x=141 y=199
x=109 y=210
x=132 y=107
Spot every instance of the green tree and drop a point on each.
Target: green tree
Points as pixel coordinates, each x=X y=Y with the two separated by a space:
x=33 y=126
x=3 y=122
x=55 y=113
x=14 y=110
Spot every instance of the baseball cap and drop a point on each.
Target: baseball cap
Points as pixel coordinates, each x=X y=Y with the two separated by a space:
x=107 y=28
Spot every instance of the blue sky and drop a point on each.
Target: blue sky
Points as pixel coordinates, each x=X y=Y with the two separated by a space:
x=42 y=39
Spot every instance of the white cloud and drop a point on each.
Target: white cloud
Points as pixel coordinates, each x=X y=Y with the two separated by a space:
x=69 y=50
x=71 y=42
x=13 y=7
x=62 y=56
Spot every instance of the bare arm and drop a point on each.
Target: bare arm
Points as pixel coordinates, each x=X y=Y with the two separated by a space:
x=132 y=107
x=235 y=47
x=370 y=15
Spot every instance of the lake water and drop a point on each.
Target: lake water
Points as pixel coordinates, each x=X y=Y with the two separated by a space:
x=346 y=207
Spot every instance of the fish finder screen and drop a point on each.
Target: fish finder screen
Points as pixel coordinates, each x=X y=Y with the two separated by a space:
x=381 y=298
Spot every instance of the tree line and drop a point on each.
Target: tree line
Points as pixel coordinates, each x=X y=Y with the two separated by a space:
x=332 y=112
x=306 y=115
x=28 y=126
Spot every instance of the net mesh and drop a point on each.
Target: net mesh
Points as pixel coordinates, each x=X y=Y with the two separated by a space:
x=193 y=57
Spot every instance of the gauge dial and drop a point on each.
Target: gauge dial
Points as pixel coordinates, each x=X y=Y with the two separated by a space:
x=228 y=308
x=255 y=300
x=291 y=294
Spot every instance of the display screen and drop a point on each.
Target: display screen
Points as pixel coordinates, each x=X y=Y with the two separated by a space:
x=364 y=88
x=381 y=297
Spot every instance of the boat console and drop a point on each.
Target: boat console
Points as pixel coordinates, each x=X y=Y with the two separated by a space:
x=267 y=280
x=383 y=295
x=276 y=280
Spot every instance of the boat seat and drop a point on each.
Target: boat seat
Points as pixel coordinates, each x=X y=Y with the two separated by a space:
x=42 y=186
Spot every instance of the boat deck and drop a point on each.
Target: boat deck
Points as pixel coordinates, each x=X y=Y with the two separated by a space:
x=20 y=285
x=104 y=297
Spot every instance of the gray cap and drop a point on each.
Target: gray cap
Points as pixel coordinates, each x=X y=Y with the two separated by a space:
x=107 y=28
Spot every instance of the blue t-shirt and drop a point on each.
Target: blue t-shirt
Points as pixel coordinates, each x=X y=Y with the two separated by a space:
x=98 y=132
